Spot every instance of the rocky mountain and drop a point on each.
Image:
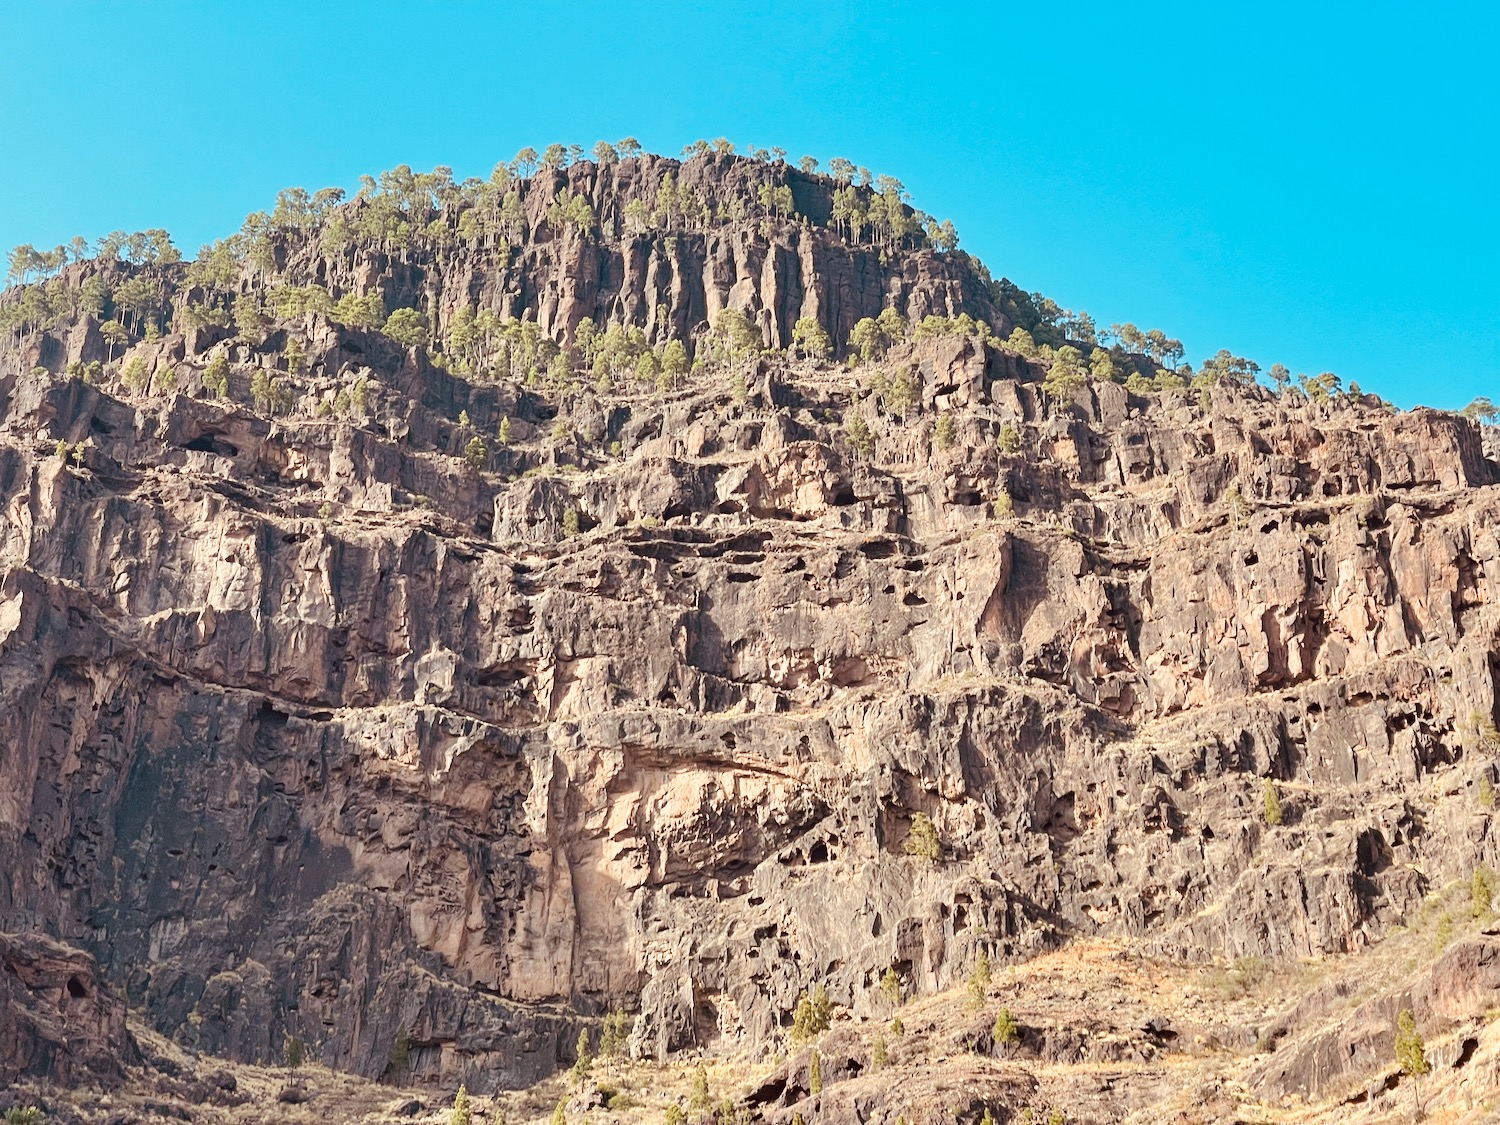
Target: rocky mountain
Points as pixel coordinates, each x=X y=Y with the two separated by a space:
x=403 y=652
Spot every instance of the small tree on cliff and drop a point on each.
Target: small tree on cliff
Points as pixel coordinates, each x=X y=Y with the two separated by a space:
x=944 y=433
x=700 y=1099
x=1066 y=376
x=1007 y=1033
x=585 y=1061
x=979 y=981
x=1411 y=1053
x=1272 y=804
x=462 y=1114
x=922 y=841
x=476 y=453
x=857 y=433
x=407 y=327
x=809 y=337
x=615 y=1036
x=1481 y=410
x=1482 y=890
x=890 y=987
x=812 y=1016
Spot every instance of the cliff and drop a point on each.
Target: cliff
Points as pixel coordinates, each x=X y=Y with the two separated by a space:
x=317 y=723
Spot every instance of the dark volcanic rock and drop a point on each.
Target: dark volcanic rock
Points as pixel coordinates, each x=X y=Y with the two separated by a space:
x=58 y=1020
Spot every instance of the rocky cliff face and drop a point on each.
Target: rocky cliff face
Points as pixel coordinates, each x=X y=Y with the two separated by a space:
x=309 y=727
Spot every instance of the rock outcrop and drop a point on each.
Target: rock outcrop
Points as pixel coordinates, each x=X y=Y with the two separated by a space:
x=308 y=727
x=59 y=1020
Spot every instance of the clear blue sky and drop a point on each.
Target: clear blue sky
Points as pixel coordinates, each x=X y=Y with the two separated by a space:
x=1315 y=184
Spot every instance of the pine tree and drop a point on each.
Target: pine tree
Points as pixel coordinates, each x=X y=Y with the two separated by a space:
x=812 y=1015
x=979 y=980
x=476 y=453
x=1411 y=1052
x=700 y=1098
x=461 y=1114
x=585 y=1060
x=922 y=841
x=216 y=377
x=1006 y=1032
x=944 y=432
x=815 y=1073
x=890 y=987
x=615 y=1036
x=857 y=432
x=1272 y=804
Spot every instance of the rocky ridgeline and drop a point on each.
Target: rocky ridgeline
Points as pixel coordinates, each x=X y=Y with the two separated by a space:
x=312 y=727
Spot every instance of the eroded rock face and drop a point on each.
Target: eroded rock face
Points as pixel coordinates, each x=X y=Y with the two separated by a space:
x=306 y=727
x=57 y=1018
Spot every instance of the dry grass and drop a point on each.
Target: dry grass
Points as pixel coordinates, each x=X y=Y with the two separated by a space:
x=1085 y=1011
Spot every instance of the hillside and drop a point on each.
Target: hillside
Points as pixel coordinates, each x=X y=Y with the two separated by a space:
x=431 y=621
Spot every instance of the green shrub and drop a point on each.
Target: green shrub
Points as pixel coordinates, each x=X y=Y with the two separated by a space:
x=1482 y=890
x=400 y=1051
x=1444 y=933
x=922 y=841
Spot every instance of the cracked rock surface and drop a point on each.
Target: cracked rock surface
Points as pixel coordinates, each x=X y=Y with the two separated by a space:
x=309 y=728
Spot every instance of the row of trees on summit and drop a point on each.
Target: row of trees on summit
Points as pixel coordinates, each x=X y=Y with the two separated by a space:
x=401 y=210
x=231 y=281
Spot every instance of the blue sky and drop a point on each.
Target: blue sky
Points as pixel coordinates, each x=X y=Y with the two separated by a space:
x=1314 y=184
